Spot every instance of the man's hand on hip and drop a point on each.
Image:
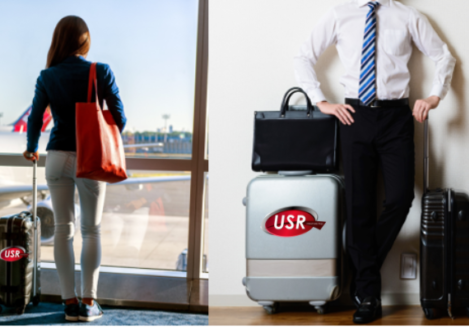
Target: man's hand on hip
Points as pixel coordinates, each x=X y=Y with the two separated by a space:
x=423 y=106
x=339 y=110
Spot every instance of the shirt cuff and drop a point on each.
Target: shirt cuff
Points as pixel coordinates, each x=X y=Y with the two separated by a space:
x=439 y=90
x=316 y=96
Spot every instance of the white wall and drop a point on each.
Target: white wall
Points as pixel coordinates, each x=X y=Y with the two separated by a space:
x=252 y=45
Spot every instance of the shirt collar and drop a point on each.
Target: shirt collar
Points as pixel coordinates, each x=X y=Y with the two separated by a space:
x=74 y=58
x=362 y=3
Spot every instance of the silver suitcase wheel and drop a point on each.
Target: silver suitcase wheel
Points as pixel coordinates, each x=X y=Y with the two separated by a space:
x=321 y=310
x=320 y=306
x=271 y=309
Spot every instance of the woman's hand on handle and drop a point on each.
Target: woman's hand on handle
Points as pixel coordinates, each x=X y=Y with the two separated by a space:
x=340 y=111
x=423 y=106
x=31 y=156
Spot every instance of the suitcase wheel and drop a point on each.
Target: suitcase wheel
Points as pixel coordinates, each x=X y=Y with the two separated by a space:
x=320 y=306
x=20 y=310
x=429 y=313
x=271 y=309
x=36 y=300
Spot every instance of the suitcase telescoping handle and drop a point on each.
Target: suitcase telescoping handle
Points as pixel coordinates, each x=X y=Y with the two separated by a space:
x=426 y=160
x=34 y=209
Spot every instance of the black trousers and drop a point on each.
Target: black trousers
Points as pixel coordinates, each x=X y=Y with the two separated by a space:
x=379 y=137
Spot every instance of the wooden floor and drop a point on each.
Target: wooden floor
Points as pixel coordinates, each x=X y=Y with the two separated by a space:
x=301 y=315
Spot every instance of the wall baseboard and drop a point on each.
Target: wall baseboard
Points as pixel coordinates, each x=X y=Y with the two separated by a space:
x=243 y=300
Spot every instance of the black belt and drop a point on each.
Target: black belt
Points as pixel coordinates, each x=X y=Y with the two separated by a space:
x=379 y=103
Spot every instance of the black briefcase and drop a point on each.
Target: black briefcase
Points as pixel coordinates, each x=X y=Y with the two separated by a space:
x=292 y=140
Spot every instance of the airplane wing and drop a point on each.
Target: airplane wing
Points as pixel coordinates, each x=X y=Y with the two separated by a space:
x=8 y=193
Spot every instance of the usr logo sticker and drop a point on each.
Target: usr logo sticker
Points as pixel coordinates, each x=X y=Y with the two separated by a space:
x=292 y=222
x=12 y=254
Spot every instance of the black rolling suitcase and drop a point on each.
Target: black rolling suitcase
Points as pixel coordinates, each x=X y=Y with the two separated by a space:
x=444 y=248
x=20 y=257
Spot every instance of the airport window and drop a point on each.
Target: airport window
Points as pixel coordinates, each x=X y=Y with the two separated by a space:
x=144 y=225
x=156 y=218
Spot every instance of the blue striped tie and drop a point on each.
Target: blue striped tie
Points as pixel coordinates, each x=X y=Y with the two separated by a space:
x=367 y=88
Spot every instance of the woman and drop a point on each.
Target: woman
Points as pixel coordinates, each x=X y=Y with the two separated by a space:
x=63 y=83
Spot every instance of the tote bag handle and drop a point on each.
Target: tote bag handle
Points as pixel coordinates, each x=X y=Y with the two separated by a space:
x=92 y=80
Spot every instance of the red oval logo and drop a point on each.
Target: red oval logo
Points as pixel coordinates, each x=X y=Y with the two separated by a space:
x=12 y=254
x=292 y=222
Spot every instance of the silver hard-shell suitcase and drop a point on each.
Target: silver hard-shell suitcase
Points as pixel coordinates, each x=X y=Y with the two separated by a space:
x=294 y=232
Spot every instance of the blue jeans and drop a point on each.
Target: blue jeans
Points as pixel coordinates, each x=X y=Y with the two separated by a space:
x=61 y=179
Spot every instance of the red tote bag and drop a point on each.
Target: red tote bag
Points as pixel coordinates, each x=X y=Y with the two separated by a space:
x=100 y=152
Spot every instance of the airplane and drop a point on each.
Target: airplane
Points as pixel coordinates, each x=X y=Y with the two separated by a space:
x=15 y=185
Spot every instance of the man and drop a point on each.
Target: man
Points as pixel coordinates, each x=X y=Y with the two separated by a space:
x=373 y=39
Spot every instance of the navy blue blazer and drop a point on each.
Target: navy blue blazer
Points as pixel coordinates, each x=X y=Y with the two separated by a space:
x=63 y=85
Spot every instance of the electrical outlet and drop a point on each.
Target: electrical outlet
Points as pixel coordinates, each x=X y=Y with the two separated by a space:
x=409 y=266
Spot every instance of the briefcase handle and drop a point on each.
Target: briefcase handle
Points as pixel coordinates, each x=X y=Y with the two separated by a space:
x=287 y=94
x=286 y=100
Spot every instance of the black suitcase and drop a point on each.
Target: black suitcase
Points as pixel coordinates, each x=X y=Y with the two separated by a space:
x=444 y=248
x=20 y=257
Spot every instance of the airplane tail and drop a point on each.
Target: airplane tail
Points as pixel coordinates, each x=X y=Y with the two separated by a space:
x=21 y=125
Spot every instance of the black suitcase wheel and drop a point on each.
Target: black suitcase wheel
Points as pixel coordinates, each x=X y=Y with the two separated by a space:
x=36 y=300
x=429 y=313
x=20 y=310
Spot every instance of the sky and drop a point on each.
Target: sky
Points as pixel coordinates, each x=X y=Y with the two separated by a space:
x=150 y=46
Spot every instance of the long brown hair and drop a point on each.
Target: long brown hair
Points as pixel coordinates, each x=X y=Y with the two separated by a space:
x=71 y=37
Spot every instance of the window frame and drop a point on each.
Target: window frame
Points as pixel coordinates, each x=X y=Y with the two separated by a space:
x=197 y=165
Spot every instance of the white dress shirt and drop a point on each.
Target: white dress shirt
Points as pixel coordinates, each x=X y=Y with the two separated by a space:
x=397 y=26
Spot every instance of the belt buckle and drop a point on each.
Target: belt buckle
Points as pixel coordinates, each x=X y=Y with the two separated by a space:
x=374 y=104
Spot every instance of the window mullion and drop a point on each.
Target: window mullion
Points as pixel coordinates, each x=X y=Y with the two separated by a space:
x=198 y=158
